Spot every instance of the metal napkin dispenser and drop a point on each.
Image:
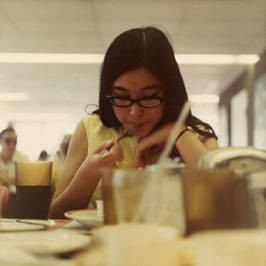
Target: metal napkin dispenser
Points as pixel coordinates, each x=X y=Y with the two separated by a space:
x=228 y=190
x=242 y=160
x=216 y=199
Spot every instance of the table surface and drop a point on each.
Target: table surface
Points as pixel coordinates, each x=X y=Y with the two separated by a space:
x=200 y=244
x=65 y=258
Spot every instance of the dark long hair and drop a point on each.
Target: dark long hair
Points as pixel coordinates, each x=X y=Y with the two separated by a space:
x=149 y=48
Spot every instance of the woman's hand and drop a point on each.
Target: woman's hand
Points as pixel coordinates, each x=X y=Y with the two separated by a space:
x=78 y=183
x=152 y=144
x=81 y=172
x=189 y=146
x=114 y=154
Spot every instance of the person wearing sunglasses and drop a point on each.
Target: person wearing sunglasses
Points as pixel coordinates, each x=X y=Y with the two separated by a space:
x=8 y=156
x=140 y=86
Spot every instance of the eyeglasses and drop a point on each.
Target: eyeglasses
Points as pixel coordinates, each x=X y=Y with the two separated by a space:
x=146 y=102
x=9 y=141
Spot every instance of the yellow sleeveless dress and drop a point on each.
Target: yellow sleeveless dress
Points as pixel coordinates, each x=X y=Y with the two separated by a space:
x=97 y=133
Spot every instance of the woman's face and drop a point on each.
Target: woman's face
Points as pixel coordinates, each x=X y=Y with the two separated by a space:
x=137 y=84
x=8 y=142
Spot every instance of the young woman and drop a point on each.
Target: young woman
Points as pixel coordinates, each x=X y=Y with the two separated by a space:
x=141 y=86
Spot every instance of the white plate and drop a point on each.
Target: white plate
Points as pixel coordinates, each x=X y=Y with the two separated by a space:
x=11 y=255
x=46 y=242
x=10 y=225
x=85 y=217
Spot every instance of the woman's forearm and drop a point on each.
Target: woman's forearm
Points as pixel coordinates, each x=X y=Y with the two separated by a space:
x=191 y=148
x=78 y=192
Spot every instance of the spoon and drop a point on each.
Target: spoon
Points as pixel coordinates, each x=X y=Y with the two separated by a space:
x=128 y=133
x=131 y=130
x=48 y=223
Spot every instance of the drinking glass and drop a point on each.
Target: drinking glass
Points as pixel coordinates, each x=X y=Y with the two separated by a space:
x=33 y=189
x=122 y=190
x=142 y=196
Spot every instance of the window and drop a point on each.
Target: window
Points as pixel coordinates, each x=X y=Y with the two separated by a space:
x=259 y=113
x=239 y=128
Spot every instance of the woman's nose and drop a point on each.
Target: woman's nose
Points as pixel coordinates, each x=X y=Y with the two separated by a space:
x=136 y=110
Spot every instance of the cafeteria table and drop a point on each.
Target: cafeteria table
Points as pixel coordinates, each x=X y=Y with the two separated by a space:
x=38 y=242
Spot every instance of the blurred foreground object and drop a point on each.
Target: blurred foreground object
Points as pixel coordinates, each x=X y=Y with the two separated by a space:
x=189 y=200
x=216 y=199
x=248 y=166
x=134 y=244
x=143 y=197
x=242 y=160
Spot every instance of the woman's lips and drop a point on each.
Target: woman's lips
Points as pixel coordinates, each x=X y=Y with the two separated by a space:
x=136 y=126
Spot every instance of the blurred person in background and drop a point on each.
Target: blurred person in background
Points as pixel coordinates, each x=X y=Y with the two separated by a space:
x=60 y=155
x=43 y=156
x=9 y=155
x=59 y=160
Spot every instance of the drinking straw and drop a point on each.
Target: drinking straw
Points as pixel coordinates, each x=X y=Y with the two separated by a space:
x=174 y=133
x=153 y=197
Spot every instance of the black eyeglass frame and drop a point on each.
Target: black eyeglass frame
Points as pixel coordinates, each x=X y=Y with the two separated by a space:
x=111 y=99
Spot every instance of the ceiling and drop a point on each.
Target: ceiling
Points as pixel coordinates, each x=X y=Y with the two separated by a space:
x=88 y=26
